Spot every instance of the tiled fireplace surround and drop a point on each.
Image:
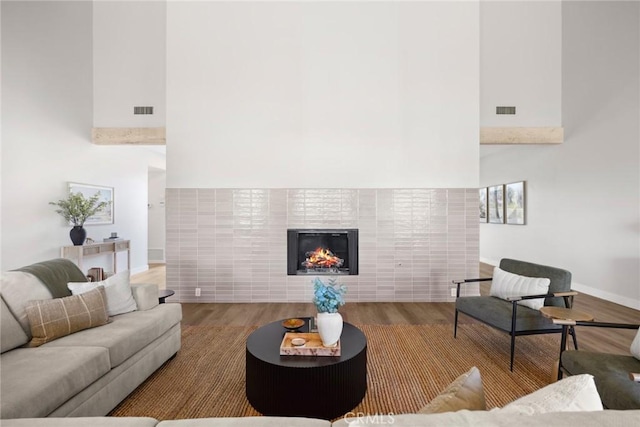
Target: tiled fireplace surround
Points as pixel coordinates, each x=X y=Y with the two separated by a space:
x=232 y=243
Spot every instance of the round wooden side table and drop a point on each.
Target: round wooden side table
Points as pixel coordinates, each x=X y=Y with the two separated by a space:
x=570 y=316
x=553 y=312
x=164 y=294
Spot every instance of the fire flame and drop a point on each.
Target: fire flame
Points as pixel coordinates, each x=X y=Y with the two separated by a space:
x=323 y=258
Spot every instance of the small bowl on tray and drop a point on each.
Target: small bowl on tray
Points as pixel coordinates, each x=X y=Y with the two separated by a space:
x=297 y=342
x=293 y=324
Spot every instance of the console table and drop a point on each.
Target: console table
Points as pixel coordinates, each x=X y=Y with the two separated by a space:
x=80 y=252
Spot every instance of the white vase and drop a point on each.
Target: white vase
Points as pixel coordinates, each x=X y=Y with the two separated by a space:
x=329 y=328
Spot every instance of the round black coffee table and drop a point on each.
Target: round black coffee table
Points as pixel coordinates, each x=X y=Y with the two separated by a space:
x=305 y=386
x=164 y=294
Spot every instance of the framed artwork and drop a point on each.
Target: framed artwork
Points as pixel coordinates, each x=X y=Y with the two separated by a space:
x=515 y=203
x=495 y=204
x=104 y=216
x=482 y=192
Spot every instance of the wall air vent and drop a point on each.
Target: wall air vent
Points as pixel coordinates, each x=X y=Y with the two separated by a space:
x=142 y=110
x=505 y=110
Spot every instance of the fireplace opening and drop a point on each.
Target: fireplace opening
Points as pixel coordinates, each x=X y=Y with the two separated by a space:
x=322 y=251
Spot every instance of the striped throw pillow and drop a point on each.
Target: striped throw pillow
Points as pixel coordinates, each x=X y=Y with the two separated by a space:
x=58 y=317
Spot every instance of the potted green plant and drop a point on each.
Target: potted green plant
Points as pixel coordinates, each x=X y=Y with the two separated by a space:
x=76 y=208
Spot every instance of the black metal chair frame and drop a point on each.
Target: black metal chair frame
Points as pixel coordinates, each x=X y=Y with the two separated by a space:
x=568 y=301
x=572 y=323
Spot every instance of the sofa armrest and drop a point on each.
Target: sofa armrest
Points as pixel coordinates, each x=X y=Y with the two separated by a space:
x=551 y=295
x=460 y=282
x=482 y=279
x=597 y=324
x=145 y=294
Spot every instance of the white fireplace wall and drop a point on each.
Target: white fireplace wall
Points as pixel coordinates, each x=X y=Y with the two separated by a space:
x=323 y=94
x=231 y=243
x=320 y=114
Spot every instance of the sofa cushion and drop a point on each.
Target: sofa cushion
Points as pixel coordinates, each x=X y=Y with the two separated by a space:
x=610 y=373
x=126 y=334
x=35 y=381
x=465 y=392
x=572 y=394
x=560 y=278
x=497 y=313
x=11 y=335
x=118 y=291
x=248 y=422
x=496 y=419
x=146 y=295
x=505 y=285
x=82 y=422
x=58 y=317
x=18 y=290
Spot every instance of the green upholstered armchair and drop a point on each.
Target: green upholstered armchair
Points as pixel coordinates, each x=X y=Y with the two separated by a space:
x=507 y=315
x=617 y=376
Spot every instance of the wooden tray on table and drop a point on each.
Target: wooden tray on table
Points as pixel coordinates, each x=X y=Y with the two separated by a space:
x=312 y=347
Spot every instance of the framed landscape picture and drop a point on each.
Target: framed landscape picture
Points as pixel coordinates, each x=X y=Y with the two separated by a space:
x=515 y=203
x=495 y=204
x=482 y=192
x=104 y=216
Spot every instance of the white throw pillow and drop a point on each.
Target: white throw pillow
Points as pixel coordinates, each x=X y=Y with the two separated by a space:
x=465 y=392
x=572 y=394
x=119 y=297
x=505 y=285
x=635 y=346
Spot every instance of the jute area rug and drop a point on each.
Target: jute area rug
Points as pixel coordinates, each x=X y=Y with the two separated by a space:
x=408 y=365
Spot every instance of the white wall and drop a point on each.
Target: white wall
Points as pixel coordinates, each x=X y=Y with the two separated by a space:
x=157 y=219
x=322 y=94
x=129 y=39
x=520 y=62
x=583 y=201
x=1 y=133
x=47 y=117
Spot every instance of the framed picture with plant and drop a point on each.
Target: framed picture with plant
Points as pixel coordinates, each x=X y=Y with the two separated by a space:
x=482 y=193
x=104 y=215
x=514 y=203
x=496 y=204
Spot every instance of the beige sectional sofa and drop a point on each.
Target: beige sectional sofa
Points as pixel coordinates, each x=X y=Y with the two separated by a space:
x=459 y=419
x=86 y=373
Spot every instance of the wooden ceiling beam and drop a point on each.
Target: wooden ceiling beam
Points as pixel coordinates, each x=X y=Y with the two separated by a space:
x=488 y=136
x=129 y=136
x=521 y=135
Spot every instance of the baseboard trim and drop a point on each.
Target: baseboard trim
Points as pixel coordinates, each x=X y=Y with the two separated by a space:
x=607 y=296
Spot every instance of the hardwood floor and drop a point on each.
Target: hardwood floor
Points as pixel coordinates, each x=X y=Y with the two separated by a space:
x=156 y=274
x=589 y=338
